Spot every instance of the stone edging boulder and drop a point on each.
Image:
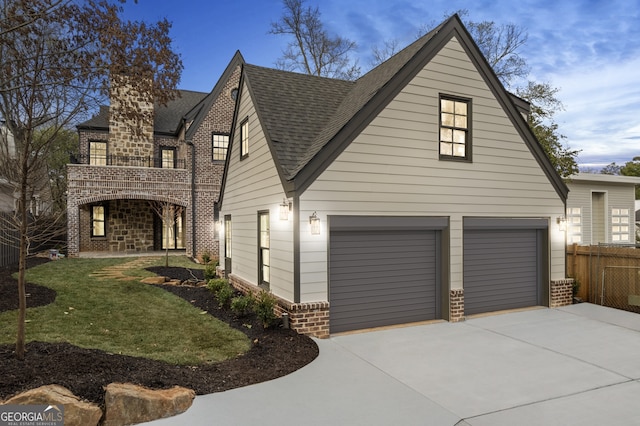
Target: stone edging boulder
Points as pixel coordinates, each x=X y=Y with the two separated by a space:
x=125 y=404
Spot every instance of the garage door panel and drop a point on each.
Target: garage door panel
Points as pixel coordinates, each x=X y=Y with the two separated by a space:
x=381 y=278
x=501 y=269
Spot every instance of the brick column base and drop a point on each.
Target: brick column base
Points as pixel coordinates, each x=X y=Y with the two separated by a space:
x=561 y=292
x=311 y=319
x=456 y=305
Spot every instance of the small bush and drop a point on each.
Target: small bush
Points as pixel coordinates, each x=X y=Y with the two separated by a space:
x=206 y=257
x=215 y=284
x=264 y=308
x=224 y=294
x=242 y=305
x=210 y=271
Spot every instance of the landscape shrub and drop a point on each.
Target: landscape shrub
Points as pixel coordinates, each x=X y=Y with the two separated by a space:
x=242 y=305
x=216 y=283
x=210 y=271
x=224 y=294
x=206 y=257
x=264 y=308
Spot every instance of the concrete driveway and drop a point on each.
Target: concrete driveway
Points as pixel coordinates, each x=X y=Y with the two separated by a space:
x=574 y=365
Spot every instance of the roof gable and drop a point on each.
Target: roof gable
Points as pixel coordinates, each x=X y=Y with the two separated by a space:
x=308 y=121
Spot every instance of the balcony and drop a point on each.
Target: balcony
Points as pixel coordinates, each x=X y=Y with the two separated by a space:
x=130 y=161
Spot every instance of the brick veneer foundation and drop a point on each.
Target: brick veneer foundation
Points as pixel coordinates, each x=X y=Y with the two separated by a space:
x=311 y=318
x=456 y=305
x=561 y=292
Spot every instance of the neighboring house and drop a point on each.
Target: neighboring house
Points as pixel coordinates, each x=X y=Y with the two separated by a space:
x=417 y=192
x=178 y=162
x=601 y=209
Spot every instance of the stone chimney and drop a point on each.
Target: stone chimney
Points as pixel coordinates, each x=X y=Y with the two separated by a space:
x=130 y=135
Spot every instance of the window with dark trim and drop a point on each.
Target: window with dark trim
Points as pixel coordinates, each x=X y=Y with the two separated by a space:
x=219 y=146
x=244 y=138
x=455 y=134
x=168 y=157
x=227 y=237
x=98 y=220
x=263 y=248
x=98 y=153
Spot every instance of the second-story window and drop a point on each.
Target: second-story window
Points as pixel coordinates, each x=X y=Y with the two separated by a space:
x=244 y=138
x=219 y=145
x=455 y=135
x=168 y=157
x=98 y=153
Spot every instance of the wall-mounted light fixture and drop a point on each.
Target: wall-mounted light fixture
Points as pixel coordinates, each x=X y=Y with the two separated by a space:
x=562 y=223
x=314 y=221
x=285 y=208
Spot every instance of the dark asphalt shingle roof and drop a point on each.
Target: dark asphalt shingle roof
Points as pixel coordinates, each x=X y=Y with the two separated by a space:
x=167 y=118
x=308 y=120
x=302 y=113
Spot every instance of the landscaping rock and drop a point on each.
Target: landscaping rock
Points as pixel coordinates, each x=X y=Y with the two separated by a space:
x=76 y=411
x=154 y=280
x=127 y=404
x=174 y=282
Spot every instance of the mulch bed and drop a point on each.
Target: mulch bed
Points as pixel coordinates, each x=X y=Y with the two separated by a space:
x=275 y=352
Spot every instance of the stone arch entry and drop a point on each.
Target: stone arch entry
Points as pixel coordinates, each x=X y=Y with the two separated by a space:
x=132 y=225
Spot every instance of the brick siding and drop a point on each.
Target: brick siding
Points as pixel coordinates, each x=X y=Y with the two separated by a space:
x=310 y=318
x=93 y=184
x=456 y=305
x=561 y=292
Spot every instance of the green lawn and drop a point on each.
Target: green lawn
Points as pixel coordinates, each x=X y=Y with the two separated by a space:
x=123 y=316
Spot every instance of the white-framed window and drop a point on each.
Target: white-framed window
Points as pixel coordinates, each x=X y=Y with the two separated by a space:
x=620 y=230
x=574 y=225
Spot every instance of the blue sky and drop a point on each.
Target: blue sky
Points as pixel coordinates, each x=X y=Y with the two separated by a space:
x=590 y=50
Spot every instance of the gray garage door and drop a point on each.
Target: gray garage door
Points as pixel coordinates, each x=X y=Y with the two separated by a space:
x=501 y=270
x=380 y=278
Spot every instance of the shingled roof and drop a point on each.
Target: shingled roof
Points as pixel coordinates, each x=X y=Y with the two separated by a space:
x=167 y=119
x=308 y=121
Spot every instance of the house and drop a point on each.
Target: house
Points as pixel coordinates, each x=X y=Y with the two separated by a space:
x=601 y=209
x=177 y=162
x=417 y=192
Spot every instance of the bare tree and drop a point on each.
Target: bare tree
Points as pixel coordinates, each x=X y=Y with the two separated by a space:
x=58 y=58
x=169 y=213
x=313 y=50
x=381 y=54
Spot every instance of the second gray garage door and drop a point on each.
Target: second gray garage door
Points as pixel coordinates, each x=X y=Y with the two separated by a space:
x=502 y=269
x=380 y=278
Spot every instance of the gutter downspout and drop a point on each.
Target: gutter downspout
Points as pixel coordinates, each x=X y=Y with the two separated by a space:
x=193 y=198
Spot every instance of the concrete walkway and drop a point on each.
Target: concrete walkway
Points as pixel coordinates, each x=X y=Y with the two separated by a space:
x=574 y=365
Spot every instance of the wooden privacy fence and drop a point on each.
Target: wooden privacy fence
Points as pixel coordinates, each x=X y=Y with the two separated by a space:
x=608 y=275
x=8 y=241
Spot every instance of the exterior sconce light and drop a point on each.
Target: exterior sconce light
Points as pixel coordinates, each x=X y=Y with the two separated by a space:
x=562 y=223
x=314 y=221
x=285 y=208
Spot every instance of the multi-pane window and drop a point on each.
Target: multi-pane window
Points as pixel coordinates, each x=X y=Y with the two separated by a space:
x=620 y=231
x=97 y=153
x=454 y=129
x=263 y=247
x=168 y=157
x=574 y=225
x=98 y=214
x=227 y=237
x=244 y=139
x=219 y=145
